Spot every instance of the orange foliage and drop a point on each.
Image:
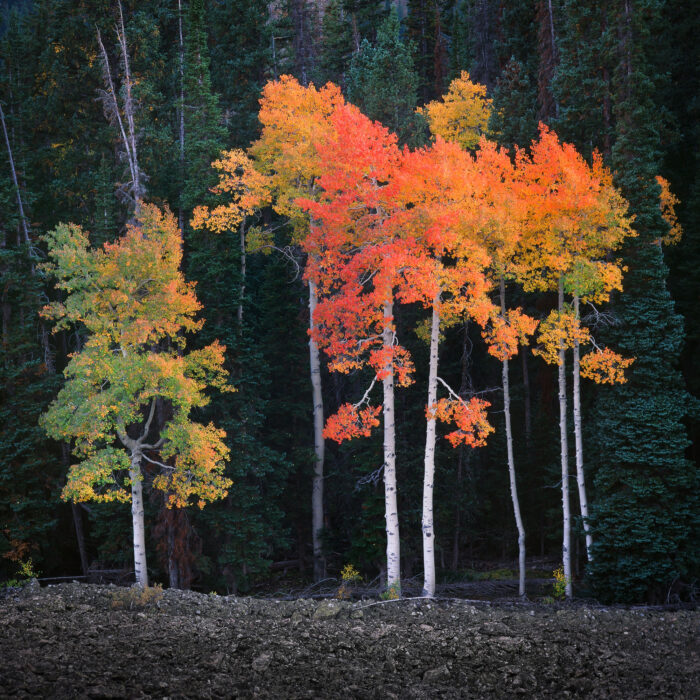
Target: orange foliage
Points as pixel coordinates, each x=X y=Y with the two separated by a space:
x=668 y=203
x=470 y=418
x=574 y=215
x=504 y=335
x=349 y=422
x=605 y=366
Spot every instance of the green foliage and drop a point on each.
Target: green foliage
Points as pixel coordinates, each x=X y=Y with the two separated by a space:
x=383 y=83
x=134 y=304
x=204 y=132
x=513 y=114
x=645 y=514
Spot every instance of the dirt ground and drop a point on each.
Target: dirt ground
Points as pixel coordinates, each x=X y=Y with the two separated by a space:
x=77 y=640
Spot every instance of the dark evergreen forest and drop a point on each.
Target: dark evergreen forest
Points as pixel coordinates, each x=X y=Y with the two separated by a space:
x=621 y=77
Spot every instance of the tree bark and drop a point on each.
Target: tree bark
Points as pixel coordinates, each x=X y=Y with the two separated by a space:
x=137 y=520
x=181 y=117
x=429 y=470
x=20 y=207
x=578 y=435
x=129 y=111
x=566 y=511
x=393 y=547
x=511 y=462
x=319 y=446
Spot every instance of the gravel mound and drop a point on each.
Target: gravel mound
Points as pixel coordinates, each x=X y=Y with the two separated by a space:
x=77 y=640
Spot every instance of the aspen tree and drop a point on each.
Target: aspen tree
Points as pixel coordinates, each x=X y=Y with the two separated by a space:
x=135 y=305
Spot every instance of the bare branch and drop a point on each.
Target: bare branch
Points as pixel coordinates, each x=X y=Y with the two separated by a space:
x=157 y=463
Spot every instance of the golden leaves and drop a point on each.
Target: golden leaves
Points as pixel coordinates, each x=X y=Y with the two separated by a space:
x=605 y=366
x=557 y=331
x=463 y=113
x=668 y=203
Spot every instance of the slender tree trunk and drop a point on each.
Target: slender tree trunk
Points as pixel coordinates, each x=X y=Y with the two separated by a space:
x=511 y=462
x=393 y=547
x=429 y=471
x=22 y=218
x=566 y=511
x=181 y=117
x=319 y=445
x=580 y=475
x=137 y=519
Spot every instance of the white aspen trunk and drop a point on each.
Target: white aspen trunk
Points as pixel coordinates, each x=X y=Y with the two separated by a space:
x=319 y=445
x=393 y=546
x=181 y=214
x=511 y=462
x=18 y=193
x=140 y=568
x=429 y=470
x=565 y=506
x=578 y=435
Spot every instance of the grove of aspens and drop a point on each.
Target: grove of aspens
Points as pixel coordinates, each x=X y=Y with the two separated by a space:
x=403 y=293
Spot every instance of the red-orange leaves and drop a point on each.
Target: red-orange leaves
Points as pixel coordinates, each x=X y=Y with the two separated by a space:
x=351 y=422
x=469 y=417
x=397 y=357
x=605 y=366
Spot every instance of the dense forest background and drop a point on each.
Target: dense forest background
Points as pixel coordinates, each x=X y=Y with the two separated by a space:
x=622 y=77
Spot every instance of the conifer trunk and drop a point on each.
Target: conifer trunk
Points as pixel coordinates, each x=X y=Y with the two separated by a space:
x=319 y=446
x=511 y=461
x=393 y=548
x=429 y=471
x=181 y=116
x=580 y=475
x=137 y=519
x=15 y=183
x=565 y=506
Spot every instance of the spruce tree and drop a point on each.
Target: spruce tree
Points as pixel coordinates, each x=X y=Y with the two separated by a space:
x=205 y=133
x=383 y=83
x=645 y=514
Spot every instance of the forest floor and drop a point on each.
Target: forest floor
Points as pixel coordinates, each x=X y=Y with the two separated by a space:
x=77 y=640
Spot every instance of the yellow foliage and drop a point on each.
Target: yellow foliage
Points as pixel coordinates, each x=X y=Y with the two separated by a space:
x=668 y=202
x=559 y=330
x=463 y=113
x=605 y=366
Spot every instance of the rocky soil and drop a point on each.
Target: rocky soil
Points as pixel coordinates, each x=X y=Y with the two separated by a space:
x=76 y=640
